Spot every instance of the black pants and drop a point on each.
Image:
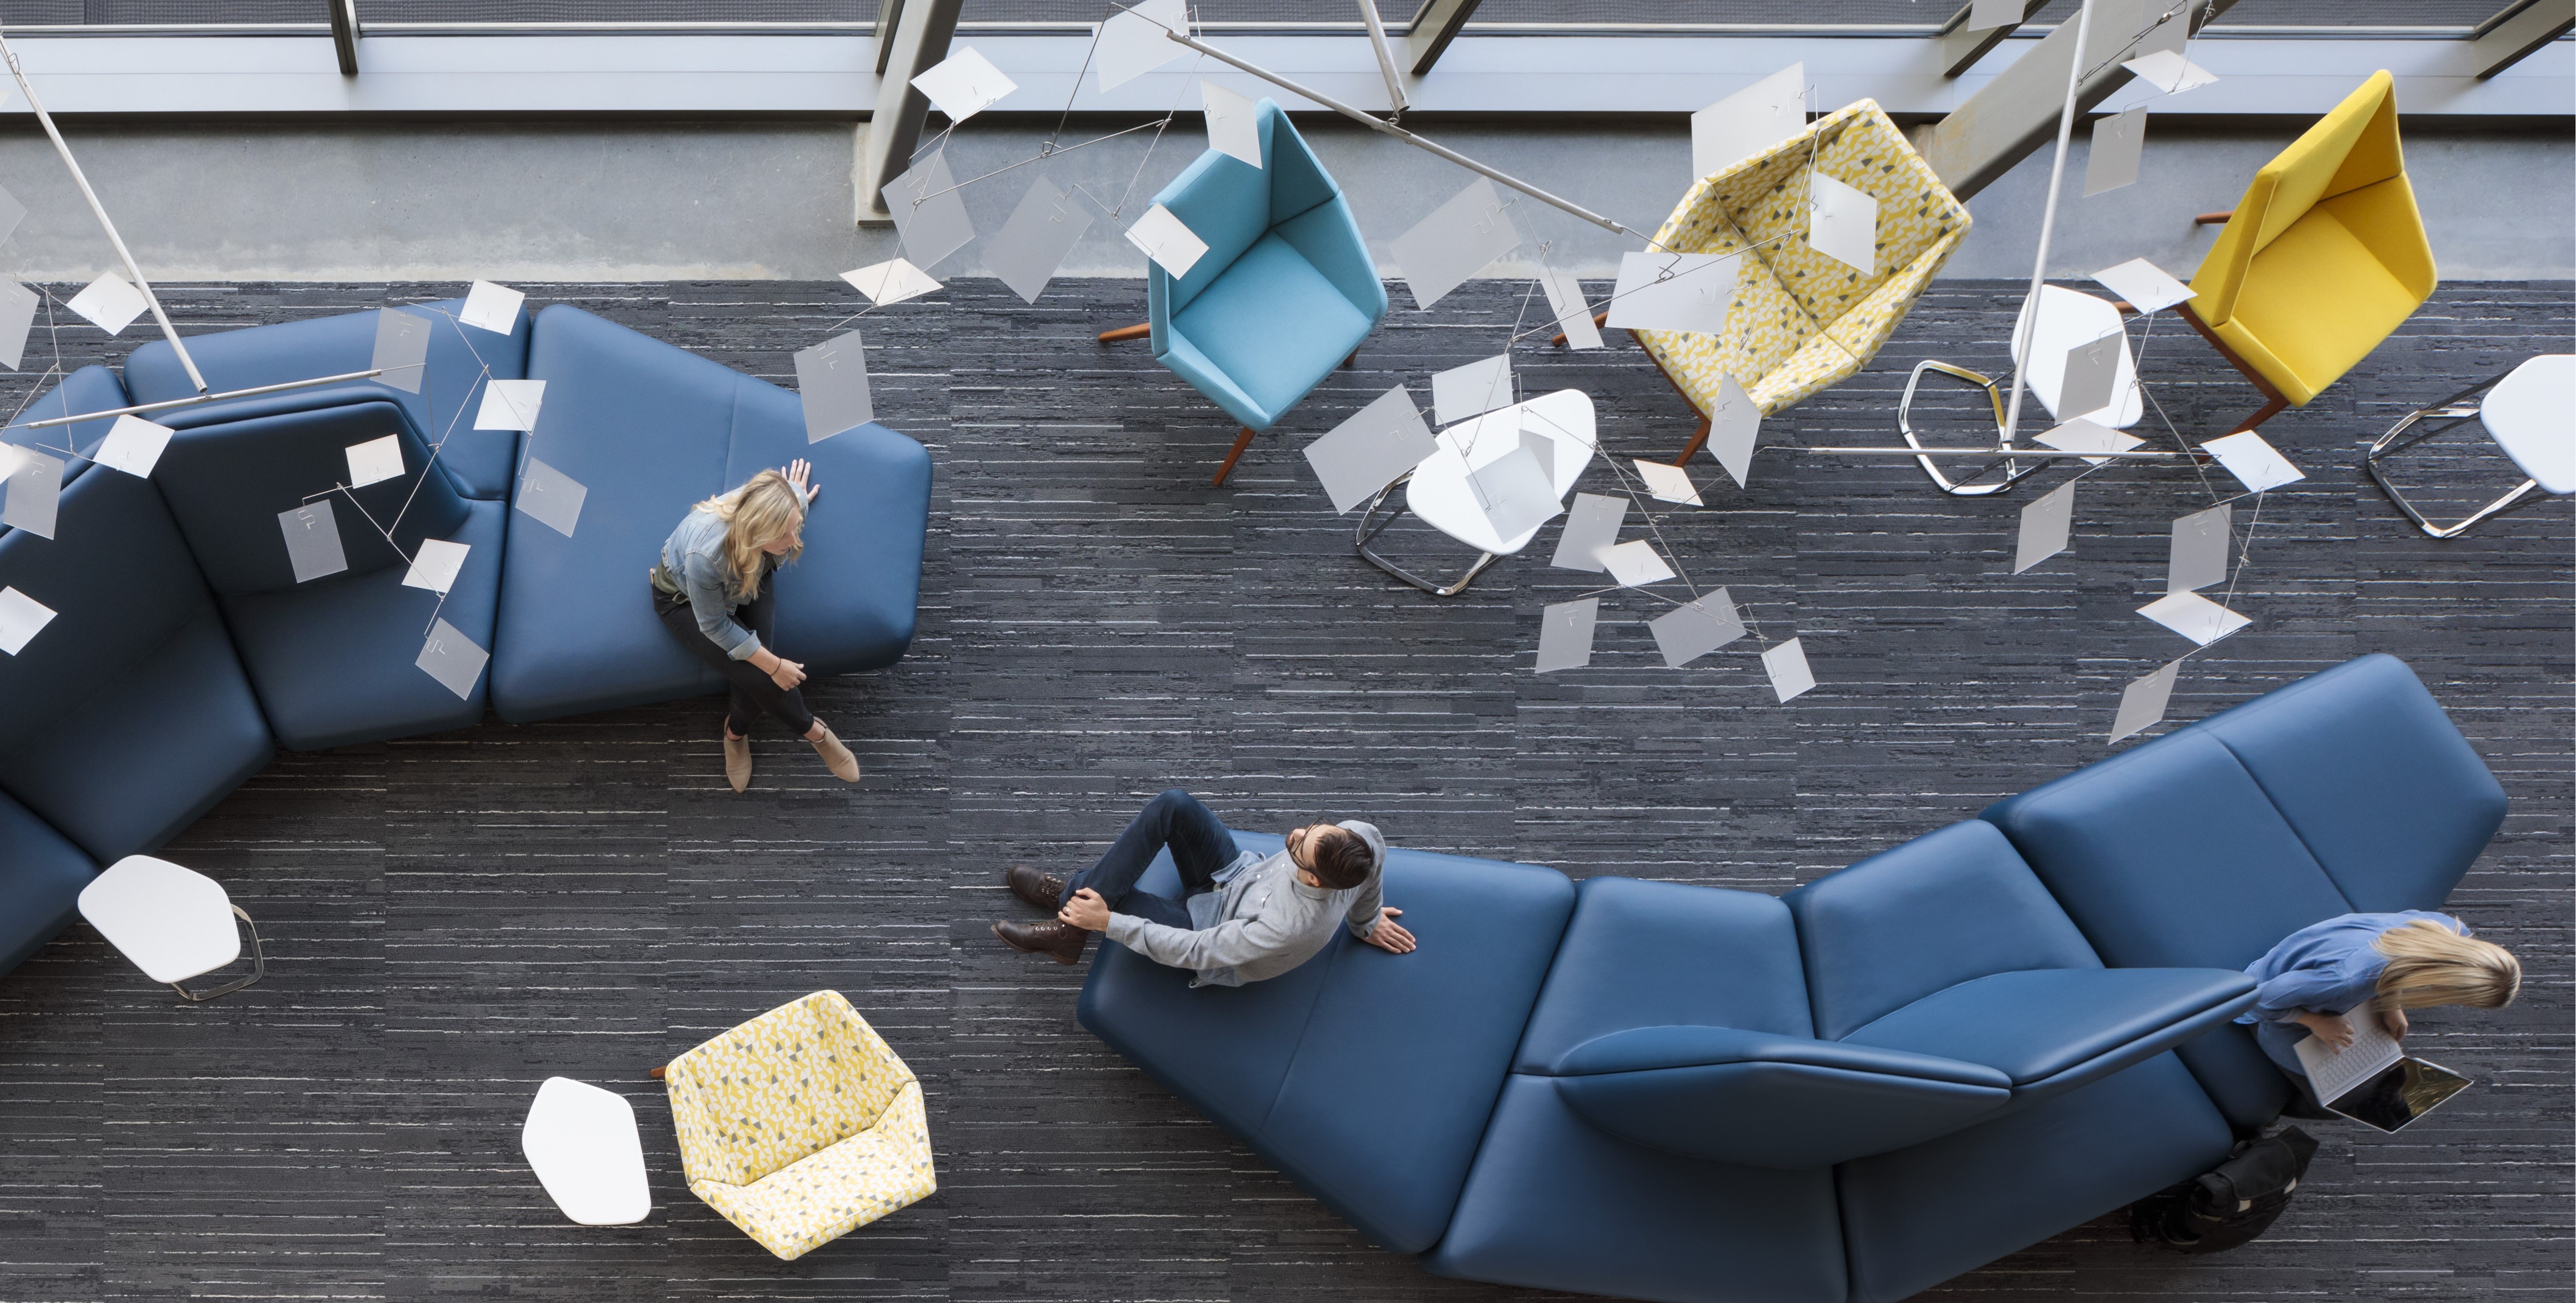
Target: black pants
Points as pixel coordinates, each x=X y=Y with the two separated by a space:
x=1200 y=847
x=753 y=693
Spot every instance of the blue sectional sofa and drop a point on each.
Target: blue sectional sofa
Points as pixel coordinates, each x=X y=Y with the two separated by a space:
x=184 y=651
x=1896 y=1073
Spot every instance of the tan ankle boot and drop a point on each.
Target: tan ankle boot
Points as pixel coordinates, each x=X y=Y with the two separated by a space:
x=737 y=752
x=836 y=757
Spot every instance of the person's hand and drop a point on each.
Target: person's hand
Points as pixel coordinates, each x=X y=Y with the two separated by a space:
x=787 y=674
x=1086 y=911
x=797 y=474
x=2395 y=1021
x=1388 y=935
x=2328 y=1027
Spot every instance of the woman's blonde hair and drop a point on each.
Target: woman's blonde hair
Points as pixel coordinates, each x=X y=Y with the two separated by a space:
x=766 y=508
x=2430 y=964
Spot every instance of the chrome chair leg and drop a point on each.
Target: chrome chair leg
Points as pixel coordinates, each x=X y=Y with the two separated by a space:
x=2014 y=470
x=2451 y=413
x=258 y=967
x=1365 y=534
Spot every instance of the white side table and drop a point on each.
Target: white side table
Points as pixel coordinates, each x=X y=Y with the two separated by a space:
x=582 y=1142
x=174 y=923
x=2068 y=318
x=1437 y=491
x=2529 y=411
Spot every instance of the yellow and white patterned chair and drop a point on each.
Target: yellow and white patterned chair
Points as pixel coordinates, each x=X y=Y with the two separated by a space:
x=800 y=1126
x=1801 y=320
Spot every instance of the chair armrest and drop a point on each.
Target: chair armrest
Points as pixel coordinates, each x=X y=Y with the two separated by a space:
x=1734 y=1096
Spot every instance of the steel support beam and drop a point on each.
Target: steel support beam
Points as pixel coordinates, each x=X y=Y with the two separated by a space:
x=889 y=16
x=344 y=34
x=2017 y=112
x=2518 y=31
x=1962 y=46
x=1434 y=25
x=920 y=41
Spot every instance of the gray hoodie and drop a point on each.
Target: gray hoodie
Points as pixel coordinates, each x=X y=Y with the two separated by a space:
x=1260 y=921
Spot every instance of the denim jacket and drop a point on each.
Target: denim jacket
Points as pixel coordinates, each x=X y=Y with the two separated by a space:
x=694 y=558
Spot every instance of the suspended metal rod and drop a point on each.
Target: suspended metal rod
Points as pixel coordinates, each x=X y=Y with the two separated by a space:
x=165 y=404
x=2033 y=454
x=1390 y=129
x=168 y=331
x=1395 y=100
x=2048 y=219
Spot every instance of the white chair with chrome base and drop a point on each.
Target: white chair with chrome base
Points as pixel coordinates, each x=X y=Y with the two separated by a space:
x=1438 y=490
x=2529 y=411
x=174 y=923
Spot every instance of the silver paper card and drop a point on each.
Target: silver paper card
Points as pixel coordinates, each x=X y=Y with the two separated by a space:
x=1138 y=40
x=1167 y=240
x=1842 y=222
x=1371 y=450
x=1471 y=390
x=2111 y=161
x=436 y=564
x=312 y=536
x=2143 y=285
x=11 y=211
x=452 y=658
x=1749 y=122
x=2092 y=376
x=1694 y=629
x=491 y=307
x=35 y=493
x=1668 y=483
x=553 y=498
x=375 y=461
x=1459 y=239
x=1515 y=493
x=1733 y=430
x=510 y=405
x=1233 y=123
x=2194 y=617
x=21 y=619
x=2170 y=72
x=1573 y=315
x=832 y=384
x=1787 y=666
x=964 y=84
x=18 y=306
x=891 y=281
x=929 y=211
x=1033 y=243
x=2045 y=523
x=1591 y=526
x=2142 y=703
x=2201 y=542
x=1674 y=291
x=402 y=349
x=2081 y=435
x=1565 y=634
x=109 y=303
x=133 y=445
x=2256 y=464
x=1635 y=564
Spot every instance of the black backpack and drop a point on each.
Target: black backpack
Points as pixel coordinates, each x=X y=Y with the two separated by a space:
x=2221 y=1209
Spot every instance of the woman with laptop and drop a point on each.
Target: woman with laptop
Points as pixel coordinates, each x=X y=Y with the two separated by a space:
x=2321 y=980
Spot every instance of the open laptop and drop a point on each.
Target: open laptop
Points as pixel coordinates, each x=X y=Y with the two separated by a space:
x=2372 y=1081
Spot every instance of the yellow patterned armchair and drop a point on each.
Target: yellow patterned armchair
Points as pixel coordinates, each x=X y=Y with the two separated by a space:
x=800 y=1126
x=1800 y=320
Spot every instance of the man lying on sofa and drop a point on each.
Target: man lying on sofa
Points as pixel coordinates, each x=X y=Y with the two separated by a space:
x=1242 y=916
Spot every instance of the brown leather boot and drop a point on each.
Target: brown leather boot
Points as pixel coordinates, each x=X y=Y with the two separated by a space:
x=1062 y=940
x=1044 y=890
x=737 y=754
x=836 y=757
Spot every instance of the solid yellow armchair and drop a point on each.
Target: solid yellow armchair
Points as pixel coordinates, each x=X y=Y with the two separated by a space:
x=801 y=1125
x=2323 y=258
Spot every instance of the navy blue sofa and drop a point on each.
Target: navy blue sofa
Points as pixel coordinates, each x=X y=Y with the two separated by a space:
x=1894 y=1074
x=180 y=620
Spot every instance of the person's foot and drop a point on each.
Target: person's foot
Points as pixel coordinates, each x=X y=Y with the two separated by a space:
x=737 y=752
x=1044 y=890
x=836 y=757
x=1062 y=940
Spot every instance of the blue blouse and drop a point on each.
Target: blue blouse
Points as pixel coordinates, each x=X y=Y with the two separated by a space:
x=2328 y=967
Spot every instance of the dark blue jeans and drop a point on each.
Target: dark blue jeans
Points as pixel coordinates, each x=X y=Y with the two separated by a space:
x=1199 y=844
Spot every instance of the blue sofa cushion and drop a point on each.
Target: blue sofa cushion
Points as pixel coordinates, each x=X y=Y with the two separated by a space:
x=1556 y=1203
x=2374 y=778
x=2169 y=855
x=41 y=877
x=133 y=651
x=451 y=386
x=2052 y=1028
x=1366 y=1077
x=1234 y=337
x=1647 y=954
x=1945 y=908
x=1770 y=1101
x=1918 y=1216
x=651 y=430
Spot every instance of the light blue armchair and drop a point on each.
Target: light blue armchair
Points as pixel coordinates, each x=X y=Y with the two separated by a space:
x=1284 y=293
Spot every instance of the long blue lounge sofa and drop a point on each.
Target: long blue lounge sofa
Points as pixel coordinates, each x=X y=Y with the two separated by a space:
x=1896 y=1073
x=183 y=651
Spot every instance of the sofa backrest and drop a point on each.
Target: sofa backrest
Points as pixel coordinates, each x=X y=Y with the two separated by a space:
x=1948 y=907
x=1231 y=204
x=227 y=480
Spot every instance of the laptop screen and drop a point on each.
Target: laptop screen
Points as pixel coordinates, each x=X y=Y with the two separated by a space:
x=2402 y=1092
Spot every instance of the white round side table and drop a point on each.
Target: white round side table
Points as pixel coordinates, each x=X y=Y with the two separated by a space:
x=583 y=1144
x=174 y=923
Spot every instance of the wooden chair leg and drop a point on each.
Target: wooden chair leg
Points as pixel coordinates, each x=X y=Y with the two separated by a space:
x=2273 y=400
x=1241 y=442
x=656 y=1074
x=1698 y=441
x=1138 y=331
x=1598 y=319
x=2261 y=414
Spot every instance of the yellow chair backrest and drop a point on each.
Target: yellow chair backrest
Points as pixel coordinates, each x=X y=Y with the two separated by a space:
x=2354 y=146
x=784 y=1086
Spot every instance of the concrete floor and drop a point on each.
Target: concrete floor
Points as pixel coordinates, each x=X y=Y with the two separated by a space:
x=701 y=201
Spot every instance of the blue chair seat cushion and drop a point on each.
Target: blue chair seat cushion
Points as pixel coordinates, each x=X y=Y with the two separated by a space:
x=1364 y=1076
x=335 y=660
x=1650 y=954
x=41 y=877
x=1269 y=329
x=2037 y=1024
